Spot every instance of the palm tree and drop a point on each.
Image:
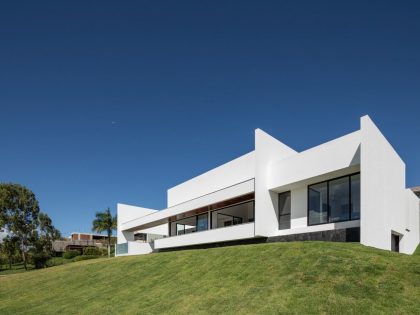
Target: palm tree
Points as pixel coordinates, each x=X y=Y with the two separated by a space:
x=105 y=222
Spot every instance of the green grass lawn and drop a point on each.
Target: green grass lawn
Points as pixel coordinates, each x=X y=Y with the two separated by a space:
x=277 y=278
x=16 y=268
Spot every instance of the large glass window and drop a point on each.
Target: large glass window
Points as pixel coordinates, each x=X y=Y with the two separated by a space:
x=180 y=229
x=233 y=215
x=318 y=203
x=183 y=226
x=335 y=200
x=238 y=210
x=355 y=197
x=202 y=222
x=339 y=198
x=284 y=210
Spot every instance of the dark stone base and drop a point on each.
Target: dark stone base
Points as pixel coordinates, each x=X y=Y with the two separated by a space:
x=340 y=235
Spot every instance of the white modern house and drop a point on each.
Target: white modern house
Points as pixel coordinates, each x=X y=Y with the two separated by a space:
x=348 y=189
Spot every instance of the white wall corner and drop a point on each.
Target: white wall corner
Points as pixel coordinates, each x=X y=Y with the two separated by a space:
x=126 y=213
x=268 y=151
x=383 y=194
x=231 y=173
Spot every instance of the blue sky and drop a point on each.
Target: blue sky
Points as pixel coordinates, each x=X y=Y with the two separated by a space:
x=104 y=101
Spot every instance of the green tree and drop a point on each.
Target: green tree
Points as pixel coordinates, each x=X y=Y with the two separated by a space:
x=47 y=233
x=105 y=222
x=19 y=209
x=9 y=248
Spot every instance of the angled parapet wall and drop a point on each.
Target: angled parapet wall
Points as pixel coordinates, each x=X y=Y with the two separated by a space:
x=234 y=172
x=386 y=206
x=268 y=151
x=339 y=154
x=329 y=160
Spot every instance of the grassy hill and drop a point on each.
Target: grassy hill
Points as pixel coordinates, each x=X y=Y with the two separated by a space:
x=278 y=278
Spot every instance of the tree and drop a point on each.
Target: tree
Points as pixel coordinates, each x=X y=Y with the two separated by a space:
x=105 y=222
x=19 y=211
x=47 y=234
x=9 y=248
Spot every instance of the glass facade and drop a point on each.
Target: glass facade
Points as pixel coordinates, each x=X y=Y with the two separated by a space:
x=284 y=210
x=180 y=229
x=233 y=215
x=240 y=213
x=355 y=197
x=318 y=203
x=334 y=200
x=339 y=199
x=202 y=222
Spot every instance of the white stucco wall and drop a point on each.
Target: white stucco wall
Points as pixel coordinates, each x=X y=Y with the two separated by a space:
x=159 y=216
x=386 y=206
x=231 y=173
x=340 y=153
x=126 y=213
x=279 y=168
x=318 y=228
x=137 y=248
x=236 y=232
x=162 y=229
x=268 y=151
x=298 y=207
x=299 y=204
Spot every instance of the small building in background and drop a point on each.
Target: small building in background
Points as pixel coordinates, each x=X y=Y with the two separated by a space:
x=78 y=241
x=98 y=238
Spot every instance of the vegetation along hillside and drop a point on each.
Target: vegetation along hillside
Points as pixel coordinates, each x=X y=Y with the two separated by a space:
x=277 y=278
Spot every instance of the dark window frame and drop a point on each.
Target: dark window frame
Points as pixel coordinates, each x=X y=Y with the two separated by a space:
x=351 y=203
x=237 y=204
x=328 y=200
x=283 y=215
x=176 y=229
x=233 y=219
x=209 y=226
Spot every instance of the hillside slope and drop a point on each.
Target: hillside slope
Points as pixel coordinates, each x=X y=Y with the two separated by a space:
x=285 y=278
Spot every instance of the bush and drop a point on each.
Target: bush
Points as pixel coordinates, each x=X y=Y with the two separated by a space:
x=92 y=251
x=39 y=260
x=3 y=260
x=57 y=261
x=104 y=251
x=70 y=254
x=84 y=257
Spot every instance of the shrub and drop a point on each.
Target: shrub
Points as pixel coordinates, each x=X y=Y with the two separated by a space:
x=70 y=254
x=39 y=260
x=92 y=251
x=104 y=251
x=84 y=257
x=3 y=260
x=57 y=261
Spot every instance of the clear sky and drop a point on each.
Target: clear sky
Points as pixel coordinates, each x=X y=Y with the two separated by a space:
x=115 y=101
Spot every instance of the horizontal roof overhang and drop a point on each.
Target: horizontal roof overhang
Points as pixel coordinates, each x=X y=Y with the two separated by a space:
x=191 y=206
